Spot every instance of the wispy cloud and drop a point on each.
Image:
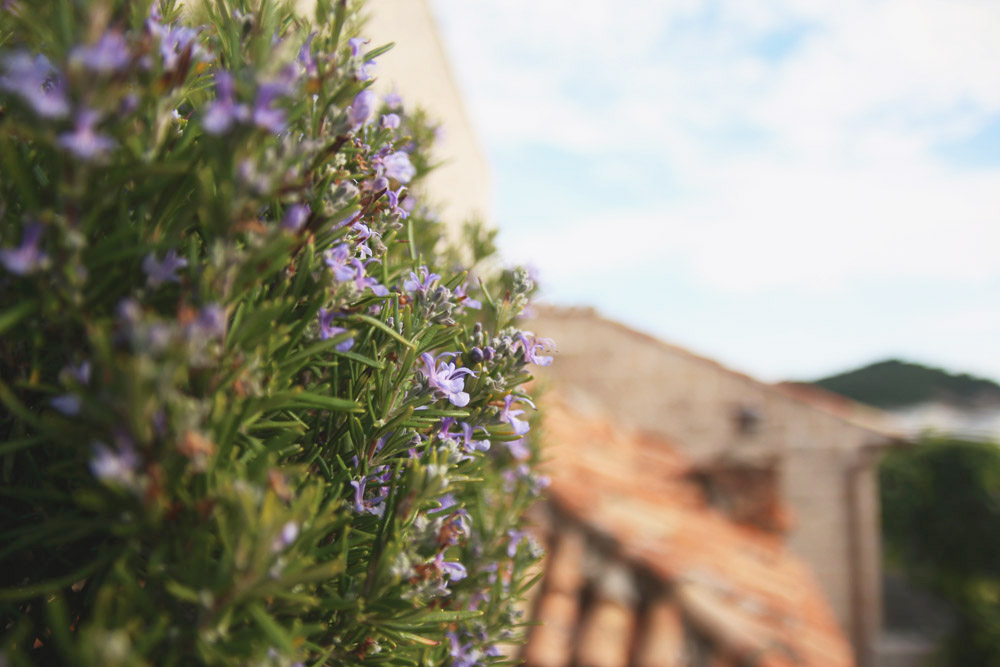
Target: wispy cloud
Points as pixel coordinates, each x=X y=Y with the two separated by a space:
x=756 y=144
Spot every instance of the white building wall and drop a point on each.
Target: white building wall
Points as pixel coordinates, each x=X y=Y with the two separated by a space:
x=417 y=68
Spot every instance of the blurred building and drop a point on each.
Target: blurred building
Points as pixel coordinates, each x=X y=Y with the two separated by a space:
x=795 y=462
x=975 y=421
x=645 y=569
x=417 y=68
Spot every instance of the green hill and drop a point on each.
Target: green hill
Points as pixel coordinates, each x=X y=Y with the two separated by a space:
x=894 y=383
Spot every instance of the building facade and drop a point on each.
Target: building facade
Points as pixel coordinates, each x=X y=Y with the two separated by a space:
x=644 y=569
x=752 y=444
x=418 y=69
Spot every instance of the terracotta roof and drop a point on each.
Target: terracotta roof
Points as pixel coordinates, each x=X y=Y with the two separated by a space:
x=673 y=563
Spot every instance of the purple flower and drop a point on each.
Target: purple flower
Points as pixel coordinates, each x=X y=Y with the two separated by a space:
x=289 y=533
x=394 y=207
x=374 y=505
x=295 y=217
x=470 y=444
x=359 y=494
x=398 y=166
x=115 y=467
x=455 y=571
x=518 y=449
x=465 y=300
x=519 y=426
x=465 y=438
x=532 y=346
x=109 y=54
x=355 y=45
x=363 y=282
x=364 y=234
x=420 y=283
x=346 y=267
x=540 y=482
x=37 y=82
x=390 y=121
x=224 y=111
x=68 y=404
x=328 y=331
x=478 y=597
x=339 y=261
x=446 y=379
x=158 y=272
x=79 y=373
x=27 y=257
x=516 y=537
x=351 y=219
x=458 y=524
x=445 y=501
x=393 y=100
x=444 y=428
x=128 y=104
x=479 y=355
x=462 y=655
x=175 y=43
x=265 y=115
x=83 y=141
x=306 y=59
x=361 y=108
x=211 y=321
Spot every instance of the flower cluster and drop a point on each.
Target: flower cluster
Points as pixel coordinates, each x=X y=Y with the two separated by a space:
x=254 y=410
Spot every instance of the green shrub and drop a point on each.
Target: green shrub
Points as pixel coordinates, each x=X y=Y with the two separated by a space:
x=252 y=412
x=941 y=518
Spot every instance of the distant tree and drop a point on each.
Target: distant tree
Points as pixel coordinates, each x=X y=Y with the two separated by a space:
x=894 y=383
x=941 y=526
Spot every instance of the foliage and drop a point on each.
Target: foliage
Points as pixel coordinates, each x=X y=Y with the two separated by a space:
x=941 y=518
x=252 y=411
x=893 y=383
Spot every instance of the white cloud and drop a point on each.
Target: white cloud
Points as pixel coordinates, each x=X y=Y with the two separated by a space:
x=844 y=184
x=791 y=204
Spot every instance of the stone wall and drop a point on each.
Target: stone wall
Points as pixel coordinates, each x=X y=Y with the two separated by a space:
x=713 y=414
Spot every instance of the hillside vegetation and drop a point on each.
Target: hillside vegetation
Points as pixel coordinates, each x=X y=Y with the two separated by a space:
x=894 y=383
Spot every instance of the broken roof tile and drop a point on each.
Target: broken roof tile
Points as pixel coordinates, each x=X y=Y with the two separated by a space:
x=737 y=585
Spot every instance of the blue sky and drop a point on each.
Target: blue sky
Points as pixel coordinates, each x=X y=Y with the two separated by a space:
x=792 y=187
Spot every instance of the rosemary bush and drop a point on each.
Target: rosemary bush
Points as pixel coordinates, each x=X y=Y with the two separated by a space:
x=253 y=411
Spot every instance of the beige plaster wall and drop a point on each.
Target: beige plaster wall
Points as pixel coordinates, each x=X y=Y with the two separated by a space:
x=666 y=390
x=868 y=579
x=418 y=69
x=813 y=486
x=691 y=401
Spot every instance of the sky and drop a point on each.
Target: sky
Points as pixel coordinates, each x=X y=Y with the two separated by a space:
x=792 y=187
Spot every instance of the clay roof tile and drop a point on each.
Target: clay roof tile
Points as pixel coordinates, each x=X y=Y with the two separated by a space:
x=736 y=584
